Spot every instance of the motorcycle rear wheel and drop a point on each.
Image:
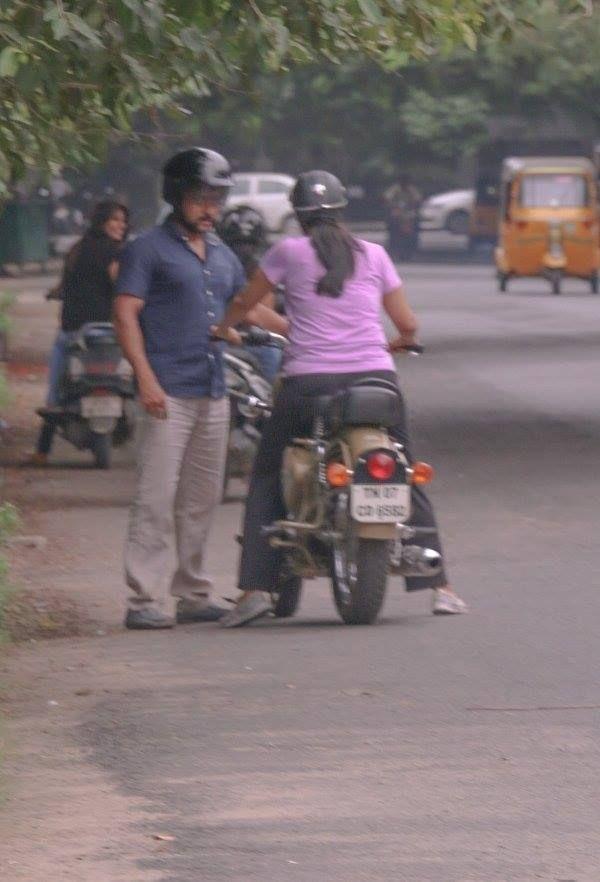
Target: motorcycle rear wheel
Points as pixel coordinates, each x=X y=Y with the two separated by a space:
x=359 y=570
x=366 y=585
x=287 y=596
x=101 y=447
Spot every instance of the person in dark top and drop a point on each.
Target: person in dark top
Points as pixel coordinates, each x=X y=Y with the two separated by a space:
x=86 y=290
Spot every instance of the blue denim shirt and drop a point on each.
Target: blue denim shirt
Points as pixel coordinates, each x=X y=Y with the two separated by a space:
x=183 y=296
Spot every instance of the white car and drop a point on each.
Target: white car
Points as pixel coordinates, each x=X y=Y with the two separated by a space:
x=267 y=193
x=448 y=211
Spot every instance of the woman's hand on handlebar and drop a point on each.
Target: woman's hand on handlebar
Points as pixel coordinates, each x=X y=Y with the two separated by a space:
x=404 y=342
x=230 y=335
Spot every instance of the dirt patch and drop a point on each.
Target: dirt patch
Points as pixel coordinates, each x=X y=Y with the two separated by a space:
x=34 y=615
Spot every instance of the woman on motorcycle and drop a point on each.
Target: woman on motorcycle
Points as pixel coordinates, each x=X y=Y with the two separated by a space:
x=334 y=288
x=86 y=290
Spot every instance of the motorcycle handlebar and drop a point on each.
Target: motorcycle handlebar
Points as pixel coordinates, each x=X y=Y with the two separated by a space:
x=258 y=337
x=412 y=349
x=255 y=336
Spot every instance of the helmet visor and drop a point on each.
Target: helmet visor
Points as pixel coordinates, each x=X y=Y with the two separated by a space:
x=204 y=195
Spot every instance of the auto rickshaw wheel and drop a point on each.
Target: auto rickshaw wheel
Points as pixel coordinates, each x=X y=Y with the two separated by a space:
x=594 y=283
x=502 y=282
x=555 y=280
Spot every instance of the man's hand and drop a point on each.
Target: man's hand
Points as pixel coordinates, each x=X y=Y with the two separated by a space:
x=230 y=335
x=153 y=398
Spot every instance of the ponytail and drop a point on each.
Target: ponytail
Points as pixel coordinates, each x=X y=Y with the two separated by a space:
x=336 y=249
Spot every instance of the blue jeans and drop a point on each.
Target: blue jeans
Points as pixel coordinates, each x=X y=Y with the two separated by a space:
x=57 y=366
x=269 y=359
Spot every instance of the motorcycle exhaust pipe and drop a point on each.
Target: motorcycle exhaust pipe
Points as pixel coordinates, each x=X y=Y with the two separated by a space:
x=415 y=561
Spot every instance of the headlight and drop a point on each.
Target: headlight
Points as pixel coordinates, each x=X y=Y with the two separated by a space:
x=76 y=368
x=124 y=370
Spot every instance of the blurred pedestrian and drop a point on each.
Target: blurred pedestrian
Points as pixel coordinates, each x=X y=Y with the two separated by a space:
x=402 y=201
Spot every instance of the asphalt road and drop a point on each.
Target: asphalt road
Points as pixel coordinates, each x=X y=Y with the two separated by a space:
x=418 y=750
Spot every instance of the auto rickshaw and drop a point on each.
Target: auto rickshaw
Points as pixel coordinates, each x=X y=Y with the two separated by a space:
x=549 y=221
x=483 y=223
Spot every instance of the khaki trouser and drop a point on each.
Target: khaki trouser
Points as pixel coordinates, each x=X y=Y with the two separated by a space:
x=179 y=484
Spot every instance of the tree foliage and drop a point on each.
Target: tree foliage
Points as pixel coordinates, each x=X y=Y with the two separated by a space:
x=72 y=72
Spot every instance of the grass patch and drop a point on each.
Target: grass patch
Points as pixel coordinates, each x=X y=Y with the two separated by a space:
x=9 y=522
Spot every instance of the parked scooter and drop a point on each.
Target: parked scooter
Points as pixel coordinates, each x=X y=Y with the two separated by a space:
x=97 y=394
x=347 y=491
x=247 y=387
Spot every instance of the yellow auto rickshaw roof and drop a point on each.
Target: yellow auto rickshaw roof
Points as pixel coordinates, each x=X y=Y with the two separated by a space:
x=516 y=165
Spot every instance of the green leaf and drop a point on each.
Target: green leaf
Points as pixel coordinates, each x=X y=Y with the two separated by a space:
x=10 y=60
x=78 y=24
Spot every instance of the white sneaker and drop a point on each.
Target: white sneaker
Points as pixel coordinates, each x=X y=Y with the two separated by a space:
x=445 y=603
x=255 y=606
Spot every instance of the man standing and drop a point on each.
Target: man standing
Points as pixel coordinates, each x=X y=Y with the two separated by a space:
x=175 y=282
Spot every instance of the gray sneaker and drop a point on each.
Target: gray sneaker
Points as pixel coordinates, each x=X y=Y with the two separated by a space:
x=148 y=619
x=188 y=611
x=255 y=606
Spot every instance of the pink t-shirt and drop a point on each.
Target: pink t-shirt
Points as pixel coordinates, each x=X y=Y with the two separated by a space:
x=332 y=334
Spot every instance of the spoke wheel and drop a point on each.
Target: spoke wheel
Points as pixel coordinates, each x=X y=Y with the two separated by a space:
x=359 y=570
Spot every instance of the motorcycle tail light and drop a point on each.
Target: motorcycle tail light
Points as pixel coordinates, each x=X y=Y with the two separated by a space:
x=381 y=466
x=422 y=473
x=338 y=475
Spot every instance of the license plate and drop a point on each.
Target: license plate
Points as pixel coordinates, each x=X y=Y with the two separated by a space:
x=380 y=503
x=101 y=406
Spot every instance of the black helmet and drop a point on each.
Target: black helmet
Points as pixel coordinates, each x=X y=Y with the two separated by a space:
x=242 y=226
x=193 y=168
x=318 y=191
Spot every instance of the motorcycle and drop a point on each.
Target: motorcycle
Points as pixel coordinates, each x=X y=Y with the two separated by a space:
x=347 y=492
x=97 y=394
x=246 y=386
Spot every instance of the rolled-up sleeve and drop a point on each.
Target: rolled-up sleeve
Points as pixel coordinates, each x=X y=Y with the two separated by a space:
x=135 y=270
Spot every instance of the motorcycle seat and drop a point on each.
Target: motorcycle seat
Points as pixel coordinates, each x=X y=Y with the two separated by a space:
x=367 y=404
